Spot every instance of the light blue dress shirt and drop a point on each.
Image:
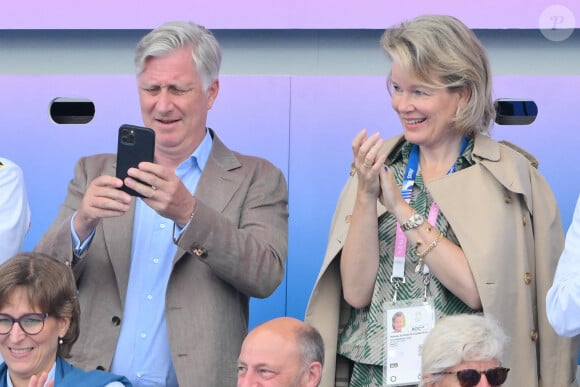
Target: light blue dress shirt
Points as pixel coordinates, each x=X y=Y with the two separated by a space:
x=143 y=353
x=563 y=298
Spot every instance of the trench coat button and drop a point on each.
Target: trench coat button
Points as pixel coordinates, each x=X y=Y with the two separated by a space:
x=352 y=169
x=197 y=251
x=534 y=335
x=347 y=219
x=527 y=278
x=508 y=199
x=116 y=320
x=524 y=220
x=67 y=262
x=100 y=368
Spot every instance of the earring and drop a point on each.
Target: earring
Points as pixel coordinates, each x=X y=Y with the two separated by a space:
x=60 y=341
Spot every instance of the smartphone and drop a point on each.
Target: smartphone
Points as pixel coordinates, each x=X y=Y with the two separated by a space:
x=134 y=144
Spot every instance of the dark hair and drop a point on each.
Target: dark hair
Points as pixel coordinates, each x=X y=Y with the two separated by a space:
x=51 y=287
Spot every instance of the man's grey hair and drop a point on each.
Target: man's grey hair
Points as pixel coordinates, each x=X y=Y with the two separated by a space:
x=311 y=347
x=171 y=36
x=310 y=344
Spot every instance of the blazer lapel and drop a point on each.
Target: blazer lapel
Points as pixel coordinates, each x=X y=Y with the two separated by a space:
x=220 y=179
x=118 y=234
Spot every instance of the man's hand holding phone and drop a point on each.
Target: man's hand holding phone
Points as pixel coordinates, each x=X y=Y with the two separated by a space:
x=143 y=180
x=159 y=186
x=102 y=199
x=108 y=196
x=135 y=144
x=163 y=191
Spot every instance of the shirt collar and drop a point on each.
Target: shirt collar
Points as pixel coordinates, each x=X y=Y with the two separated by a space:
x=401 y=153
x=199 y=156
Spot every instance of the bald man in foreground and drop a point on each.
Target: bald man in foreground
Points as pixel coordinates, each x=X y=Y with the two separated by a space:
x=283 y=352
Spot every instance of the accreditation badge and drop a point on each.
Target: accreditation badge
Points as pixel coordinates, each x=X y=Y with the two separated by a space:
x=406 y=324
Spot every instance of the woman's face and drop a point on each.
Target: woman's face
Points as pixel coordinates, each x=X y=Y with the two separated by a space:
x=398 y=323
x=483 y=365
x=25 y=354
x=426 y=113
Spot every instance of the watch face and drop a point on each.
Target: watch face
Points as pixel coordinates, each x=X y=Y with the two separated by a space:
x=414 y=221
x=417 y=220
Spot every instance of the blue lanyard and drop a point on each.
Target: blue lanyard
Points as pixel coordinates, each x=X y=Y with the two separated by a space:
x=413 y=167
x=406 y=191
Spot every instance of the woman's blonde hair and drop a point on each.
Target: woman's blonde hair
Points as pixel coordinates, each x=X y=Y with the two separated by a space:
x=443 y=53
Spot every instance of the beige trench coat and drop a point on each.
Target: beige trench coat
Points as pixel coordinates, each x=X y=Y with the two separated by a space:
x=495 y=207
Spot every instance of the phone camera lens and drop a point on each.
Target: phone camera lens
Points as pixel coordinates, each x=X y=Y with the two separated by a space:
x=128 y=137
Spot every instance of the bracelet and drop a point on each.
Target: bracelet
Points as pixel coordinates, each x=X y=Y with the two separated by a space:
x=431 y=246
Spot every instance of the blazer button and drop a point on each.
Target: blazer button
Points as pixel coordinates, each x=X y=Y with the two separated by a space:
x=527 y=278
x=347 y=219
x=198 y=251
x=116 y=320
x=508 y=199
x=524 y=221
x=534 y=335
x=100 y=368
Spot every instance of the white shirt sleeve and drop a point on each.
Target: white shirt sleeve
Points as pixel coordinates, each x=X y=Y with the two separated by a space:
x=14 y=209
x=563 y=298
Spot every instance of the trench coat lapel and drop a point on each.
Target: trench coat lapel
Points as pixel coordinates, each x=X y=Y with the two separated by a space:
x=489 y=152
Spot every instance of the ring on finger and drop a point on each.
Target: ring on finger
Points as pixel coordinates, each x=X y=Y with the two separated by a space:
x=154 y=188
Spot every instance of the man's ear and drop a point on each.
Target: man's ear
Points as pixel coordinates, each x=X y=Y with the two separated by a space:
x=212 y=93
x=314 y=374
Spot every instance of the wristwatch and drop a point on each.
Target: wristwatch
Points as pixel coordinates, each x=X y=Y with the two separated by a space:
x=414 y=221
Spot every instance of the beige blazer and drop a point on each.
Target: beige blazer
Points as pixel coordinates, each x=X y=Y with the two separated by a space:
x=234 y=248
x=507 y=222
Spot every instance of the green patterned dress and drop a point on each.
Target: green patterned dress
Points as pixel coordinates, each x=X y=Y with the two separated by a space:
x=361 y=339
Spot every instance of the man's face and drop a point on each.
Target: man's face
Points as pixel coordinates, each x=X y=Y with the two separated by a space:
x=174 y=103
x=268 y=359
